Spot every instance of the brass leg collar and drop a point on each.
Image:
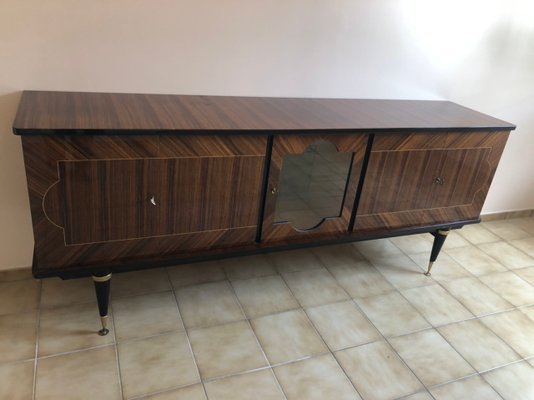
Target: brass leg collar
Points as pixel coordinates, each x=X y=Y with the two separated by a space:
x=102 y=278
x=443 y=232
x=104 y=331
x=430 y=263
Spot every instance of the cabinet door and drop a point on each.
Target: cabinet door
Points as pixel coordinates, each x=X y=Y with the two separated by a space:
x=119 y=200
x=312 y=185
x=107 y=200
x=423 y=179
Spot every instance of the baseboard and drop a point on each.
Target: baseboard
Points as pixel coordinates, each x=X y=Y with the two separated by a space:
x=507 y=215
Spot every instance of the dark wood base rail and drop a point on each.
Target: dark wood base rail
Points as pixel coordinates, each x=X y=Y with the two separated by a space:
x=119 y=182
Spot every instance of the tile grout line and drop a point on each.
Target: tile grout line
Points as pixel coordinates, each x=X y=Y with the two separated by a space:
x=37 y=329
x=478 y=318
x=330 y=352
x=435 y=328
x=255 y=335
x=116 y=347
x=373 y=325
x=187 y=336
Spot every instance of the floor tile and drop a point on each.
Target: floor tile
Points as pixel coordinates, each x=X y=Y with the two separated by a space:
x=392 y=314
x=377 y=372
x=360 y=279
x=315 y=287
x=57 y=292
x=146 y=315
x=421 y=243
x=431 y=358
x=16 y=380
x=476 y=297
x=316 y=378
x=475 y=260
x=17 y=336
x=507 y=255
x=480 y=347
x=266 y=295
x=208 y=304
x=19 y=296
x=478 y=234
x=515 y=328
x=381 y=248
x=192 y=392
x=454 y=240
x=444 y=268
x=90 y=374
x=226 y=349
x=287 y=336
x=527 y=274
x=474 y=388
x=436 y=305
x=139 y=282
x=70 y=328
x=295 y=260
x=510 y=287
x=255 y=385
x=525 y=245
x=248 y=267
x=15 y=274
x=156 y=363
x=342 y=325
x=528 y=311
x=194 y=274
x=402 y=272
x=513 y=382
x=526 y=224
x=338 y=255
x=506 y=230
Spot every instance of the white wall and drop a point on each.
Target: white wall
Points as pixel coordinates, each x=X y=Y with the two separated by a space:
x=478 y=53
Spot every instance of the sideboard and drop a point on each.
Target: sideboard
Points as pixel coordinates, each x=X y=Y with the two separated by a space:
x=127 y=181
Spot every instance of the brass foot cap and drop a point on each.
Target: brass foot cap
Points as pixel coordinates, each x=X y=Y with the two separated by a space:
x=103 y=332
x=427 y=273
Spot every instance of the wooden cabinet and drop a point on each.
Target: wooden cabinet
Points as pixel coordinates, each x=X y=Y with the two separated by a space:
x=125 y=181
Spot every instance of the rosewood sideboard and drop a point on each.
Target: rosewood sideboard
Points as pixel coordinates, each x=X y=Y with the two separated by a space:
x=128 y=181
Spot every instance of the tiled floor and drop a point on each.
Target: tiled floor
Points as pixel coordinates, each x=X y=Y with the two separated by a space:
x=354 y=321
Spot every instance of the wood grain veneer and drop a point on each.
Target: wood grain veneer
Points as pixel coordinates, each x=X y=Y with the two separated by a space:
x=400 y=187
x=43 y=113
x=89 y=203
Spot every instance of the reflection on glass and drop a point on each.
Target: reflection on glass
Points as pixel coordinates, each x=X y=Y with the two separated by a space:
x=312 y=185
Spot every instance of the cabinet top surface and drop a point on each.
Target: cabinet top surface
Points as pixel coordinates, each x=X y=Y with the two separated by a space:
x=49 y=113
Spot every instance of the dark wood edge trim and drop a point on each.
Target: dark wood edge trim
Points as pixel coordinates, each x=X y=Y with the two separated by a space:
x=265 y=182
x=134 y=132
x=363 y=173
x=79 y=271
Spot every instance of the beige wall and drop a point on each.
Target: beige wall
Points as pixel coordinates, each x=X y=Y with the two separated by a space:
x=478 y=53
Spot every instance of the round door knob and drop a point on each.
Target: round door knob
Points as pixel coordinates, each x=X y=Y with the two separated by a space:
x=153 y=200
x=274 y=190
x=438 y=181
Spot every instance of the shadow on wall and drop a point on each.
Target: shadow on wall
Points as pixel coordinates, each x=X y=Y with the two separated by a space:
x=16 y=237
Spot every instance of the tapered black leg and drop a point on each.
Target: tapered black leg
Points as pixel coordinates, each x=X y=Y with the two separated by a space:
x=439 y=238
x=102 y=284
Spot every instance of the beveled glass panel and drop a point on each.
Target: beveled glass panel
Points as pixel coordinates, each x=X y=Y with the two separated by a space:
x=312 y=186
